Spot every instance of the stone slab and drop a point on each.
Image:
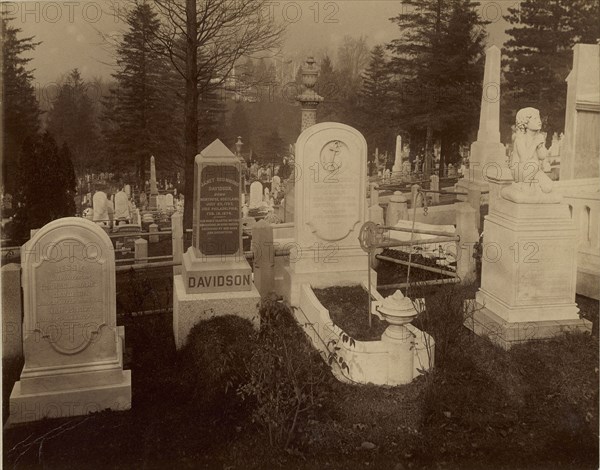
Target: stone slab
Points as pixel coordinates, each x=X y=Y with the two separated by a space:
x=190 y=309
x=66 y=403
x=507 y=334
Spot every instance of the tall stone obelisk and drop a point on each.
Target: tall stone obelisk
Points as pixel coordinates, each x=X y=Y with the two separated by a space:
x=153 y=187
x=488 y=154
x=397 y=168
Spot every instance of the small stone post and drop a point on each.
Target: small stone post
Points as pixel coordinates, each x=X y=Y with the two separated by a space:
x=466 y=228
x=474 y=199
x=397 y=209
x=415 y=200
x=141 y=251
x=177 y=240
x=435 y=186
x=264 y=257
x=153 y=229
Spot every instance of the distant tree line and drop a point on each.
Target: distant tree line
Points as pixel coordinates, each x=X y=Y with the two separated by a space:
x=169 y=94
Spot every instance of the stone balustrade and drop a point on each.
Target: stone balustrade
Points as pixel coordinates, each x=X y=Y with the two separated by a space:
x=583 y=198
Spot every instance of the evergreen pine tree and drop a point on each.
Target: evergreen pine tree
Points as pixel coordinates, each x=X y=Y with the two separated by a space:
x=239 y=126
x=21 y=111
x=329 y=88
x=72 y=120
x=47 y=185
x=273 y=148
x=538 y=56
x=143 y=110
x=438 y=69
x=375 y=97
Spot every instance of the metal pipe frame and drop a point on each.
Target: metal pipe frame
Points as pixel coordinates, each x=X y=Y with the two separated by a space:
x=417 y=265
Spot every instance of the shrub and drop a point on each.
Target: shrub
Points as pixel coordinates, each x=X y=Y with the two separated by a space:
x=443 y=316
x=287 y=378
x=214 y=360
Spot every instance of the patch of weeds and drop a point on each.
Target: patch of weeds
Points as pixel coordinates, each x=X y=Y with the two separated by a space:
x=536 y=402
x=562 y=394
x=287 y=378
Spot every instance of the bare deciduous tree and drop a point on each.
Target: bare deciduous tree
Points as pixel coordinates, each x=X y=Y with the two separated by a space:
x=204 y=39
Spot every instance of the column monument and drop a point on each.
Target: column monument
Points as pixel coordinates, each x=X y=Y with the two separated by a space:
x=309 y=100
x=398 y=160
x=153 y=187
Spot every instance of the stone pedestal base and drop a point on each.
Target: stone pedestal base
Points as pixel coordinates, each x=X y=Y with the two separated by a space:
x=292 y=281
x=79 y=391
x=153 y=205
x=189 y=309
x=507 y=334
x=215 y=274
x=66 y=403
x=528 y=273
x=400 y=355
x=529 y=262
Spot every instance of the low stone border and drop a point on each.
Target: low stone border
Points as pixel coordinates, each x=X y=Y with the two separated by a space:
x=359 y=361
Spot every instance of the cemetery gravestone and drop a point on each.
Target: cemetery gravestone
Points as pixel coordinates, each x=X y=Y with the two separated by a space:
x=122 y=206
x=329 y=208
x=161 y=202
x=143 y=200
x=256 y=194
x=529 y=264
x=216 y=279
x=276 y=183
x=72 y=346
x=100 y=204
x=169 y=202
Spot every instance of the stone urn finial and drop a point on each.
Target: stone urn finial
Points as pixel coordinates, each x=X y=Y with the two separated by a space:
x=397 y=310
x=310 y=72
x=309 y=99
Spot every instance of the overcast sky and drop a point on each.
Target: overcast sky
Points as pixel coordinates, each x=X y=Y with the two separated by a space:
x=69 y=30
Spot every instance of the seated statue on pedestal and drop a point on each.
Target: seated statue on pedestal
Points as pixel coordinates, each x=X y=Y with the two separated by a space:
x=531 y=185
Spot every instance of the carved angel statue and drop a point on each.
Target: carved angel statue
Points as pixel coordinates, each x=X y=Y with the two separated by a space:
x=531 y=184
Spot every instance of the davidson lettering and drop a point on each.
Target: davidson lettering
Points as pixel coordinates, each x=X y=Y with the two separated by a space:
x=219 y=281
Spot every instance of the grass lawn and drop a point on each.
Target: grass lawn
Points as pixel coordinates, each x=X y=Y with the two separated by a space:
x=534 y=407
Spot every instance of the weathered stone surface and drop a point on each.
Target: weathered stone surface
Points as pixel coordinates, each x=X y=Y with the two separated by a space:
x=72 y=346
